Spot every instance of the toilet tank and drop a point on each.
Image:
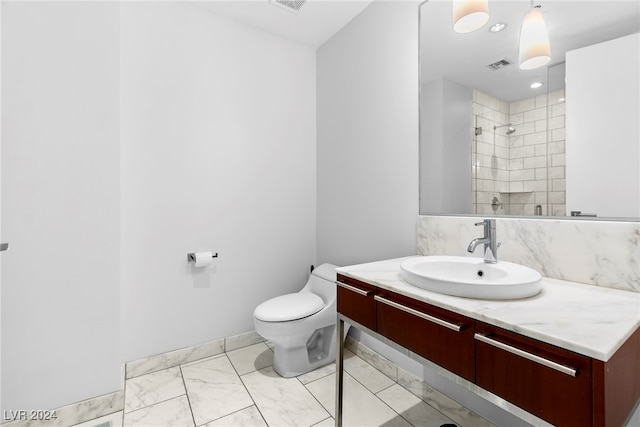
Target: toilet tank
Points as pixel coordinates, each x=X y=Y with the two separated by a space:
x=322 y=282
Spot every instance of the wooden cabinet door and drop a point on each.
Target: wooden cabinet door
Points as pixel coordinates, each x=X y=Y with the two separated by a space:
x=547 y=381
x=443 y=337
x=355 y=300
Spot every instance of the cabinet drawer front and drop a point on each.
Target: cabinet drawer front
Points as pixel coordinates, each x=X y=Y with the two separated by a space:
x=551 y=383
x=435 y=334
x=355 y=300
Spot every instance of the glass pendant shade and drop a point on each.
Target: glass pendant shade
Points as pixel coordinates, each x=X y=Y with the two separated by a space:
x=469 y=15
x=534 y=49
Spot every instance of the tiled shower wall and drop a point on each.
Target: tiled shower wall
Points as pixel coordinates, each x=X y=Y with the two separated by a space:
x=490 y=156
x=537 y=154
x=526 y=168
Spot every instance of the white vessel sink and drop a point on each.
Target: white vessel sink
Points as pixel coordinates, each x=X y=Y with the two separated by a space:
x=471 y=277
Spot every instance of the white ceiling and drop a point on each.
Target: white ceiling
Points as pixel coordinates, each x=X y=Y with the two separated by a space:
x=463 y=58
x=315 y=23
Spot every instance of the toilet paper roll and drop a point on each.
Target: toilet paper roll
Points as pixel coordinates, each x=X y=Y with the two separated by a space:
x=203 y=259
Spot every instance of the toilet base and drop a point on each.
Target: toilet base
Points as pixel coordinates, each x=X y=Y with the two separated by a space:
x=319 y=350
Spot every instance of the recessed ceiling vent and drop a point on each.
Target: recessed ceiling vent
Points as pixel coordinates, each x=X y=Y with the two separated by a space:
x=499 y=64
x=290 y=5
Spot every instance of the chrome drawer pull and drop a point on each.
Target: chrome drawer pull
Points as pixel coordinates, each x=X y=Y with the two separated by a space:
x=354 y=289
x=541 y=360
x=420 y=314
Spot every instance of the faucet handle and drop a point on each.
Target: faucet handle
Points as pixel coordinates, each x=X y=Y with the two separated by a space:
x=489 y=222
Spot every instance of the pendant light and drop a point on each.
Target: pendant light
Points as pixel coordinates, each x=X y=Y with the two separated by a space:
x=469 y=15
x=534 y=48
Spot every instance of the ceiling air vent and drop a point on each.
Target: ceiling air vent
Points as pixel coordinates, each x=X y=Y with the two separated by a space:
x=290 y=5
x=499 y=64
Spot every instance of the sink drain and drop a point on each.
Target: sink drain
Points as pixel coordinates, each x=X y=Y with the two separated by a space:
x=480 y=273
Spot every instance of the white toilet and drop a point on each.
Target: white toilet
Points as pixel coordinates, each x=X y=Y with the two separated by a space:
x=302 y=325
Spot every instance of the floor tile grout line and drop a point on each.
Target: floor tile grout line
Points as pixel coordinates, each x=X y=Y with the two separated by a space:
x=316 y=379
x=125 y=393
x=226 y=355
x=440 y=411
x=154 y=404
x=323 y=420
x=437 y=408
x=316 y=399
x=366 y=388
x=388 y=387
x=247 y=389
x=375 y=394
x=186 y=392
x=396 y=382
x=408 y=391
x=400 y=413
x=235 y=412
x=297 y=378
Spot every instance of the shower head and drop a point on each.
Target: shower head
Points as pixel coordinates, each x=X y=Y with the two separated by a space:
x=510 y=129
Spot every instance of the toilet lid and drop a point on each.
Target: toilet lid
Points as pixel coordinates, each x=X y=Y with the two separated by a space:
x=289 y=307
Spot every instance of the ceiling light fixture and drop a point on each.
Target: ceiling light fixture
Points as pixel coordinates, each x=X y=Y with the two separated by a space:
x=469 y=15
x=535 y=85
x=534 y=49
x=497 y=27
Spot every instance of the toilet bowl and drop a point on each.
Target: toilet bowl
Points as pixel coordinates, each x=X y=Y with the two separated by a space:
x=302 y=325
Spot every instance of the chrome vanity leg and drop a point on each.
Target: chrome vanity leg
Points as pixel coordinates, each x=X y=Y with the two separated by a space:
x=339 y=369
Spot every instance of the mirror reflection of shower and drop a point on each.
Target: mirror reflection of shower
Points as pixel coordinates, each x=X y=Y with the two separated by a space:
x=510 y=128
x=491 y=174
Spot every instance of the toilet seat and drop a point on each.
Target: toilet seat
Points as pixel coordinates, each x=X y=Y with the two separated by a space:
x=289 y=307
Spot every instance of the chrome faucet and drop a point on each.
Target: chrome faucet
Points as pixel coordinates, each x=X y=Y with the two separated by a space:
x=489 y=240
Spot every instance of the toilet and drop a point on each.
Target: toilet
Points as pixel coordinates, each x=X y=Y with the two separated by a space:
x=302 y=325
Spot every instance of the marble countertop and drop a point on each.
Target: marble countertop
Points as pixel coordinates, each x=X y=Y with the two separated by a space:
x=590 y=320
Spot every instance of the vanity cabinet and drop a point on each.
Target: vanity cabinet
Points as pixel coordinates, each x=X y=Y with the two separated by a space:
x=439 y=335
x=355 y=300
x=443 y=337
x=547 y=381
x=557 y=385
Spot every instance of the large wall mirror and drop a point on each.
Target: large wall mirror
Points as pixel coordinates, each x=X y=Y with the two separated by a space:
x=560 y=139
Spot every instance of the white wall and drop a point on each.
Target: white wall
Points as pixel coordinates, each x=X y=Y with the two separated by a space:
x=603 y=130
x=445 y=147
x=431 y=151
x=218 y=153
x=367 y=119
x=133 y=134
x=60 y=200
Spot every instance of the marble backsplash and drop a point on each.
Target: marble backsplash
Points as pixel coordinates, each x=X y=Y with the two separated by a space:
x=601 y=253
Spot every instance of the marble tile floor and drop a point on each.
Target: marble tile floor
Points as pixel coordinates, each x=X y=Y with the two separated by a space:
x=240 y=388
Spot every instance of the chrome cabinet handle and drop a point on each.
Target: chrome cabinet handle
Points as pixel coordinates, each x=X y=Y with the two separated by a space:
x=419 y=314
x=354 y=289
x=4 y=246
x=534 y=358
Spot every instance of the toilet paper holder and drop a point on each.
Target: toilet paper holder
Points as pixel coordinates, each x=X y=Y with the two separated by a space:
x=191 y=256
